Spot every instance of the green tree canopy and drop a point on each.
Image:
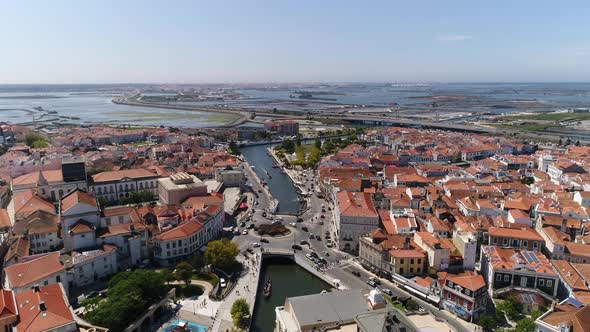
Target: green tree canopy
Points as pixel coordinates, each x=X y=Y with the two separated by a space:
x=233 y=148
x=168 y=275
x=510 y=307
x=184 y=272
x=129 y=296
x=239 y=311
x=221 y=253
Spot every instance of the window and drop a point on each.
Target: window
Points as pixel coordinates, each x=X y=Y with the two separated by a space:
x=495 y=240
x=401 y=261
x=549 y=283
x=411 y=261
x=411 y=270
x=525 y=244
x=505 y=242
x=419 y=260
x=541 y=282
x=467 y=292
x=58 y=279
x=506 y=278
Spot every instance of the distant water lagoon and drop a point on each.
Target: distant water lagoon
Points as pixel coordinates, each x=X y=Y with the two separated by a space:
x=97 y=108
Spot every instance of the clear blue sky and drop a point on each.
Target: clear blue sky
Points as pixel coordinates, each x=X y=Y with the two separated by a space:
x=293 y=41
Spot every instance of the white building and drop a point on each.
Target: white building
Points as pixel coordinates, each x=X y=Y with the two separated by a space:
x=114 y=185
x=354 y=215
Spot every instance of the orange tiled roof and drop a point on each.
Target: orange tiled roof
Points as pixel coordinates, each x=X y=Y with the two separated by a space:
x=181 y=231
x=471 y=282
x=137 y=173
x=56 y=313
x=26 y=273
x=75 y=197
x=356 y=204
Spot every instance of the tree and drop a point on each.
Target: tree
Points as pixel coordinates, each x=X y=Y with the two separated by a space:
x=288 y=146
x=240 y=311
x=168 y=275
x=510 y=307
x=221 y=253
x=318 y=143
x=298 y=140
x=31 y=138
x=184 y=272
x=487 y=322
x=129 y=296
x=197 y=260
x=233 y=148
x=412 y=305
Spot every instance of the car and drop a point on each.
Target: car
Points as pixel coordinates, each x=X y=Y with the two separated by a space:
x=387 y=291
x=299 y=219
x=324 y=210
x=251 y=226
x=317 y=237
x=237 y=231
x=263 y=240
x=304 y=229
x=322 y=216
x=243 y=224
x=311 y=237
x=327 y=232
x=256 y=203
x=309 y=256
x=264 y=214
x=371 y=283
x=314 y=254
x=356 y=273
x=92 y=294
x=327 y=237
x=303 y=242
x=327 y=254
x=275 y=222
x=293 y=224
x=321 y=223
x=329 y=244
x=375 y=280
x=222 y=283
x=255 y=245
x=259 y=191
x=296 y=247
x=245 y=232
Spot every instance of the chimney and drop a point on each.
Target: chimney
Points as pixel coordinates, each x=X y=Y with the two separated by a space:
x=42 y=306
x=36 y=289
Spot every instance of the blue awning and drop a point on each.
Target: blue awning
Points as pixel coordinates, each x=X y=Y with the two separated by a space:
x=460 y=310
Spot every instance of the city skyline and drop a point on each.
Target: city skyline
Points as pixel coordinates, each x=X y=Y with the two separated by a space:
x=267 y=42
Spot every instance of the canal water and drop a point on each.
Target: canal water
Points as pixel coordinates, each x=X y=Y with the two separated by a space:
x=280 y=185
x=288 y=280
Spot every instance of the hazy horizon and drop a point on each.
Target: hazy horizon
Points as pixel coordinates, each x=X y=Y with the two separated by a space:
x=304 y=42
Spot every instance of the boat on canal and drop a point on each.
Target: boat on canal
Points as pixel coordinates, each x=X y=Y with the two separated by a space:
x=268 y=174
x=267 y=289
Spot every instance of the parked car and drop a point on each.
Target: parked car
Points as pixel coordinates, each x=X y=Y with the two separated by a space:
x=321 y=223
x=387 y=291
x=303 y=242
x=311 y=237
x=251 y=226
x=263 y=240
x=375 y=280
x=329 y=244
x=371 y=283
x=293 y=224
x=317 y=237
x=243 y=224
x=356 y=273
x=222 y=283
x=296 y=247
x=299 y=219
x=322 y=216
x=92 y=294
x=255 y=244
x=313 y=254
x=237 y=231
x=245 y=232
x=304 y=228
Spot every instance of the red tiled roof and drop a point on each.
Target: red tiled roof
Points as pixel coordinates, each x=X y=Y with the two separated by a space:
x=138 y=173
x=26 y=273
x=181 y=231
x=356 y=204
x=7 y=306
x=473 y=282
x=516 y=233
x=57 y=312
x=75 y=197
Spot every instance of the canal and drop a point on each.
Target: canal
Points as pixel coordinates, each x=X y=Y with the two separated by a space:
x=279 y=184
x=288 y=280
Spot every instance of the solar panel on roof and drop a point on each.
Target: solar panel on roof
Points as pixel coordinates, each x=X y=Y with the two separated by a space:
x=575 y=302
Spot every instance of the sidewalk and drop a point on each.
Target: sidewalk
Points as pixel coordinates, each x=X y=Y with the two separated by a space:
x=246 y=288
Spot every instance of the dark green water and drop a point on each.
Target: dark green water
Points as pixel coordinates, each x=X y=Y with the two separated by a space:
x=288 y=280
